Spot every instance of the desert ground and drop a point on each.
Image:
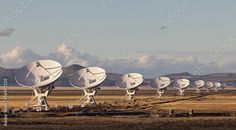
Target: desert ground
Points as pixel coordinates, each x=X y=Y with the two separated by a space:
x=214 y=110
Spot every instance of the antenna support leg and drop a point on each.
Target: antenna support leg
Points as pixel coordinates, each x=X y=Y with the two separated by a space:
x=130 y=95
x=181 y=92
x=198 y=90
x=160 y=92
x=39 y=101
x=88 y=97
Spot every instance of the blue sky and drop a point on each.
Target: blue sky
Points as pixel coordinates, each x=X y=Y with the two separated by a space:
x=118 y=28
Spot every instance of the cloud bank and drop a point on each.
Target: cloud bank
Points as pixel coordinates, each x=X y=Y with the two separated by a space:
x=150 y=64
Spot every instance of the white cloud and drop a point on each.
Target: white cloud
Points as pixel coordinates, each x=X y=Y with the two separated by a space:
x=17 y=57
x=67 y=55
x=150 y=64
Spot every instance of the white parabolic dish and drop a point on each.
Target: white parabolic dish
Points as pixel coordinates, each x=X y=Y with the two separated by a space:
x=209 y=84
x=161 y=82
x=181 y=83
x=39 y=74
x=199 y=83
x=88 y=77
x=130 y=81
x=217 y=84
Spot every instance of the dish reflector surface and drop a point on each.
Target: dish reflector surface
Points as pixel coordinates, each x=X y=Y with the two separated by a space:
x=160 y=82
x=199 y=83
x=88 y=77
x=181 y=83
x=130 y=81
x=217 y=84
x=39 y=74
x=209 y=84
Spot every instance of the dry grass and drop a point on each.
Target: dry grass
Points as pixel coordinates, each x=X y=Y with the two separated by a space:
x=124 y=123
x=223 y=101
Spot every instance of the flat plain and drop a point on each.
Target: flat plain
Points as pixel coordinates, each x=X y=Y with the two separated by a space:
x=214 y=110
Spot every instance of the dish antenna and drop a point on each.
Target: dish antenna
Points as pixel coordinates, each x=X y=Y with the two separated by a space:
x=40 y=76
x=209 y=85
x=88 y=79
x=161 y=84
x=130 y=82
x=223 y=85
x=198 y=84
x=217 y=86
x=181 y=85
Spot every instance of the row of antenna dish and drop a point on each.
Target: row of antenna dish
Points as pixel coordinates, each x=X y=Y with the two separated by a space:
x=161 y=84
x=41 y=76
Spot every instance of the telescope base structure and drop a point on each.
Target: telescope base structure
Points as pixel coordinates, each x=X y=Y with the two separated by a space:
x=198 y=90
x=208 y=90
x=130 y=95
x=181 y=92
x=88 y=97
x=160 y=92
x=39 y=101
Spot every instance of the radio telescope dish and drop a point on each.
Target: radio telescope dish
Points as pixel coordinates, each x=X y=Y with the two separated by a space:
x=223 y=85
x=181 y=85
x=217 y=86
x=88 y=79
x=209 y=85
x=40 y=76
x=161 y=84
x=199 y=84
x=130 y=82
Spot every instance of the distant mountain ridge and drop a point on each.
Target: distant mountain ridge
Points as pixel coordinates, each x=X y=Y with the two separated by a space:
x=229 y=78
